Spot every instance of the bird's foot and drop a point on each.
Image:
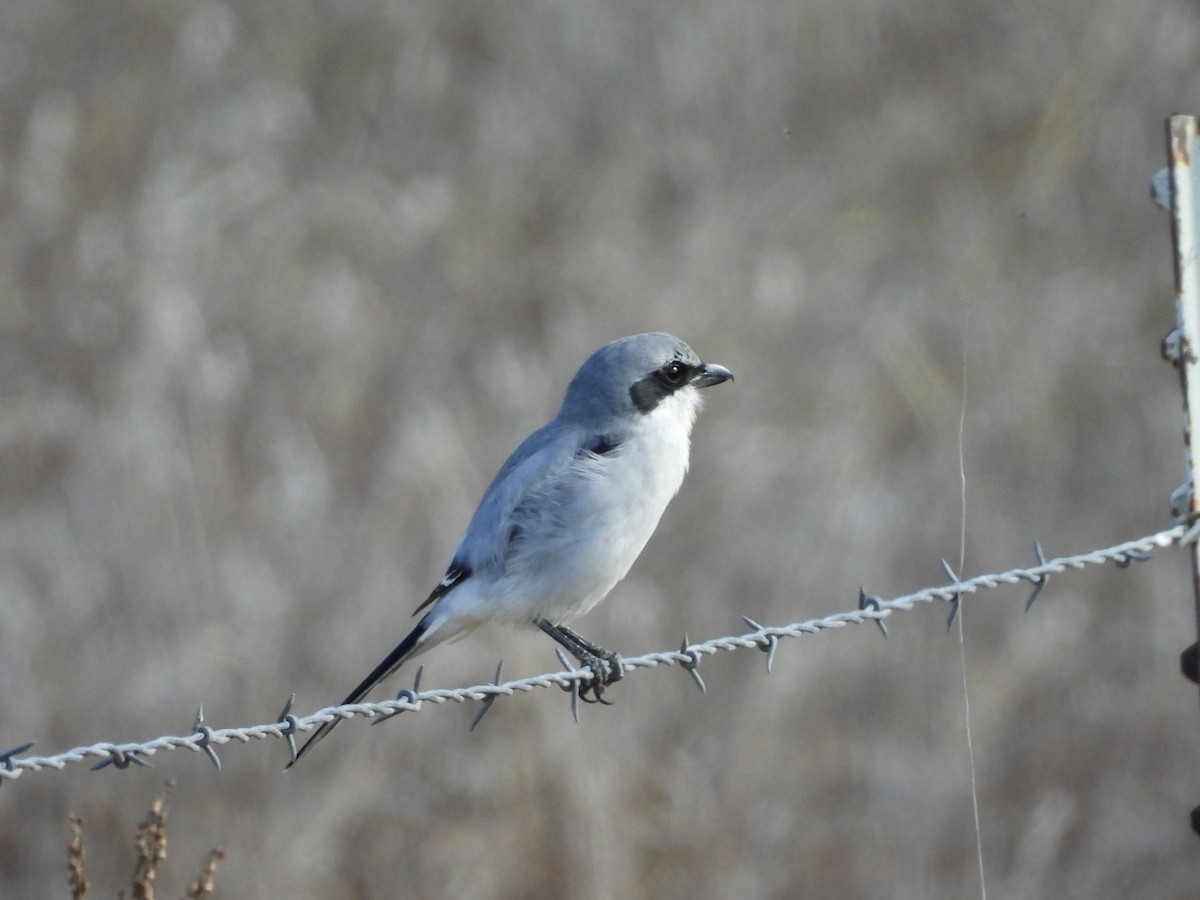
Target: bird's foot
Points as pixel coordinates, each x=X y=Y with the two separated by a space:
x=606 y=668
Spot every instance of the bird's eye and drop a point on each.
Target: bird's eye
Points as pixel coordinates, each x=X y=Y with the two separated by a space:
x=674 y=373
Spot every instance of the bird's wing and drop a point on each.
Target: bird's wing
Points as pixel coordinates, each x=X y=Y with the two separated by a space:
x=539 y=467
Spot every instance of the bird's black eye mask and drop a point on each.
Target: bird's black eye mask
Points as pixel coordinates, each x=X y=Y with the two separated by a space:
x=648 y=392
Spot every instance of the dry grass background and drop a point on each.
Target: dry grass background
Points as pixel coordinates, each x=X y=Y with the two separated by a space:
x=281 y=284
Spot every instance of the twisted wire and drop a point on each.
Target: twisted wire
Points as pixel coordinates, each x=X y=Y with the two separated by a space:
x=204 y=739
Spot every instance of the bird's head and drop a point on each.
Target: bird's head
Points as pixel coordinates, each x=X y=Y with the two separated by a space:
x=633 y=375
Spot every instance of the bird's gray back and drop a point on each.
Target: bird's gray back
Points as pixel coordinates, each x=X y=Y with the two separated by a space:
x=543 y=456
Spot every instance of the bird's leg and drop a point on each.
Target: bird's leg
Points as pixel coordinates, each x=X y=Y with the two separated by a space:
x=606 y=666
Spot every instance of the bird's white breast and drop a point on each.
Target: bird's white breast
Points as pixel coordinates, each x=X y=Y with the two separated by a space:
x=628 y=492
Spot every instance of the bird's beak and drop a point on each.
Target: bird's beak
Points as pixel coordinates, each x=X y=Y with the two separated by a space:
x=710 y=374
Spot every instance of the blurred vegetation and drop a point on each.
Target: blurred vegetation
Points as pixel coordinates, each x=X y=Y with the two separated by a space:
x=150 y=845
x=281 y=285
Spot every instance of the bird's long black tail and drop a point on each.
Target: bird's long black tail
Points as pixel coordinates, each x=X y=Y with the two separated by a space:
x=390 y=664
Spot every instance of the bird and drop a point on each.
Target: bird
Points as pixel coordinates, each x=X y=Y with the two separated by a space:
x=570 y=510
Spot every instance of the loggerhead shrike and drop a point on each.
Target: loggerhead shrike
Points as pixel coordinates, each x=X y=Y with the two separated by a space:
x=569 y=512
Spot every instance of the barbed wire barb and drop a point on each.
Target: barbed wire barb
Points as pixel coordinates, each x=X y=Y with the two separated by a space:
x=767 y=643
x=290 y=724
x=690 y=664
x=956 y=598
x=488 y=701
x=409 y=697
x=123 y=758
x=204 y=739
x=6 y=758
x=1039 y=582
x=573 y=686
x=865 y=603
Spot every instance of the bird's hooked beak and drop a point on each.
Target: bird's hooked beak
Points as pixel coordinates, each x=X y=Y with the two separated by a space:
x=710 y=374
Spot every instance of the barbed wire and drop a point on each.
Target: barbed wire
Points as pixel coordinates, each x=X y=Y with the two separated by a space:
x=204 y=739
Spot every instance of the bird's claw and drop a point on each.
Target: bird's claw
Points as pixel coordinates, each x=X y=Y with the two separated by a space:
x=607 y=669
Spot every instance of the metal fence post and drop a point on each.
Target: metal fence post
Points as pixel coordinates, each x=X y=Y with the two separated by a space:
x=1182 y=345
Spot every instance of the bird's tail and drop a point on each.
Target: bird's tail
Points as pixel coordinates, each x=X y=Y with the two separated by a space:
x=406 y=648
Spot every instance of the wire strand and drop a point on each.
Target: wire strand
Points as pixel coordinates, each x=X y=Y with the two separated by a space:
x=204 y=739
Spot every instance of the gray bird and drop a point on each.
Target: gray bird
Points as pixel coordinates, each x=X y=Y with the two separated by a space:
x=569 y=512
